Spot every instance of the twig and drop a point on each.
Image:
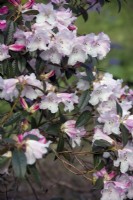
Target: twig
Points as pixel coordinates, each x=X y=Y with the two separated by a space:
x=32 y=188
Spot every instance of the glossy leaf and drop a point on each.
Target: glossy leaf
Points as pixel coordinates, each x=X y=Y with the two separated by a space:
x=83 y=118
x=19 y=163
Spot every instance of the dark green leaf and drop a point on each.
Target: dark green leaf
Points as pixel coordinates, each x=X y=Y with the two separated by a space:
x=84 y=99
x=83 y=118
x=119 y=109
x=13 y=119
x=10 y=32
x=99 y=184
x=125 y=134
x=84 y=13
x=34 y=172
x=19 y=163
x=102 y=143
x=60 y=146
x=31 y=12
x=119 y=5
x=90 y=75
x=33 y=123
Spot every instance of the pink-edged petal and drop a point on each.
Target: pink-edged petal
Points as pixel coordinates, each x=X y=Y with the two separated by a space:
x=16 y=47
x=29 y=4
x=3 y=24
x=15 y=2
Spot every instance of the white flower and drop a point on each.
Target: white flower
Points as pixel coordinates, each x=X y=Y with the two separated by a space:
x=4 y=52
x=69 y=127
x=125 y=157
x=51 y=55
x=97 y=46
x=35 y=150
x=64 y=42
x=50 y=102
x=101 y=94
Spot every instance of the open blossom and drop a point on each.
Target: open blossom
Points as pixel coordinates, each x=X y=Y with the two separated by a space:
x=50 y=102
x=99 y=135
x=127 y=180
x=4 y=52
x=114 y=191
x=97 y=45
x=29 y=82
x=125 y=157
x=111 y=123
x=69 y=127
x=100 y=94
x=9 y=87
x=129 y=123
x=39 y=40
x=51 y=55
x=34 y=149
x=64 y=42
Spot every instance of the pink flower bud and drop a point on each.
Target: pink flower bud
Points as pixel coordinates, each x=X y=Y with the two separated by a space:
x=72 y=27
x=16 y=47
x=2 y=24
x=33 y=108
x=29 y=4
x=20 y=138
x=15 y=2
x=48 y=75
x=23 y=103
x=4 y=10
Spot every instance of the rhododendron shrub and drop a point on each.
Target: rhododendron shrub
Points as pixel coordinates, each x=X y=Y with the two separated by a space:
x=59 y=102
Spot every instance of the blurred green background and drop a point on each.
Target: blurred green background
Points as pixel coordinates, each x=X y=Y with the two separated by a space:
x=120 y=30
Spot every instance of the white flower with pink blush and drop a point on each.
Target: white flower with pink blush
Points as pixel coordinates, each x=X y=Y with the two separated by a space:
x=64 y=42
x=50 y=102
x=125 y=158
x=34 y=149
x=97 y=45
x=100 y=135
x=4 y=52
x=113 y=191
x=75 y=134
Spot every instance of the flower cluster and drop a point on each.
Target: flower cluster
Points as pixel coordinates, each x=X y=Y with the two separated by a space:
x=57 y=97
x=113 y=106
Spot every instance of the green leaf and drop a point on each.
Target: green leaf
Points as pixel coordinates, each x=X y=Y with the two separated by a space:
x=84 y=13
x=125 y=134
x=84 y=99
x=90 y=75
x=119 y=109
x=14 y=118
x=19 y=163
x=98 y=162
x=102 y=143
x=10 y=32
x=31 y=12
x=60 y=146
x=99 y=184
x=33 y=123
x=21 y=64
x=83 y=118
x=34 y=172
